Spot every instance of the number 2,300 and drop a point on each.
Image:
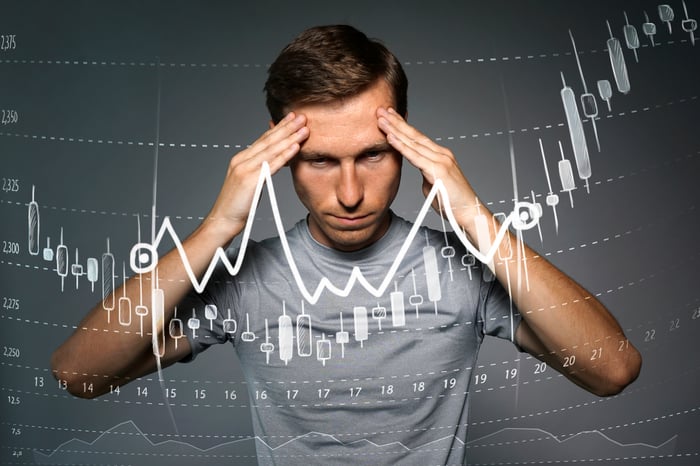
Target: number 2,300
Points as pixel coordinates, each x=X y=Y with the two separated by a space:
x=10 y=247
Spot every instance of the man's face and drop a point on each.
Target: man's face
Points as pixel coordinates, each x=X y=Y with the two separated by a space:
x=346 y=174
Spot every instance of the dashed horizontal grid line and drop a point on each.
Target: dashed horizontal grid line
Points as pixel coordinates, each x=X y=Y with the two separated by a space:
x=490 y=203
x=77 y=210
x=182 y=145
x=613 y=236
x=630 y=391
x=233 y=383
x=204 y=453
x=100 y=432
x=223 y=437
x=270 y=405
x=351 y=434
x=607 y=459
x=131 y=64
x=225 y=66
x=585 y=404
x=565 y=436
x=379 y=378
x=85 y=140
x=370 y=453
x=608 y=116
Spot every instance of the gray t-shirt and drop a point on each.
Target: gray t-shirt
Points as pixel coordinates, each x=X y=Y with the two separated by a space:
x=357 y=379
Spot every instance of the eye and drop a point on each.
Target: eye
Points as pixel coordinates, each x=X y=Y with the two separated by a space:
x=318 y=162
x=374 y=155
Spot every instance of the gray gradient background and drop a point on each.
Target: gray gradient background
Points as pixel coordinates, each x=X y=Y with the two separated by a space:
x=632 y=239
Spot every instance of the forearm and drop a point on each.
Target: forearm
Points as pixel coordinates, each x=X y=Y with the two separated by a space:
x=104 y=349
x=564 y=324
x=108 y=348
x=578 y=334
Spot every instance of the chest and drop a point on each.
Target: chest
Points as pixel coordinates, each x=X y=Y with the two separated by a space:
x=415 y=341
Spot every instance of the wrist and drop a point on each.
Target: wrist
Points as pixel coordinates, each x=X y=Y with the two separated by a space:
x=218 y=230
x=469 y=217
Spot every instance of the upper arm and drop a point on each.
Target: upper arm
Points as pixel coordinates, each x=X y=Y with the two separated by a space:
x=527 y=341
x=174 y=351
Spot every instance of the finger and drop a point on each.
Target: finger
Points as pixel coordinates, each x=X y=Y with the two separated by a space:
x=416 y=157
x=284 y=156
x=284 y=129
x=432 y=160
x=285 y=132
x=416 y=152
x=279 y=153
x=276 y=154
x=396 y=124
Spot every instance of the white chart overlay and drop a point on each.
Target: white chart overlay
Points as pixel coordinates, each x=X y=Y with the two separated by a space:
x=576 y=122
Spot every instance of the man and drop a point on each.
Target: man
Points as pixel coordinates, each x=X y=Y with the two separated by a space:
x=358 y=347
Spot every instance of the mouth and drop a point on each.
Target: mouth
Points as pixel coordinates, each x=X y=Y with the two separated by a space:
x=351 y=221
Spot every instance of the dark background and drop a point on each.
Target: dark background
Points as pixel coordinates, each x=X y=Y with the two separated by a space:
x=99 y=87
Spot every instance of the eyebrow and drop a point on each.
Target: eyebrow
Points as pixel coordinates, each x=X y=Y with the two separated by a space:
x=381 y=146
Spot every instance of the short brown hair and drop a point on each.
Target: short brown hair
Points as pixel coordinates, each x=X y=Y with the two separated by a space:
x=327 y=63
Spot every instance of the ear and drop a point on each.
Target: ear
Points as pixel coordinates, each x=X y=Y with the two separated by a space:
x=271 y=124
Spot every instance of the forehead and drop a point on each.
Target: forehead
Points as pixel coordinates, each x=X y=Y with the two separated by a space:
x=346 y=126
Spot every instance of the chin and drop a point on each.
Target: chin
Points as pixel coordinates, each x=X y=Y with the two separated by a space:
x=350 y=240
x=347 y=238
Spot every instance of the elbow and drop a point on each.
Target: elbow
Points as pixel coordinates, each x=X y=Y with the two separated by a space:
x=78 y=384
x=621 y=374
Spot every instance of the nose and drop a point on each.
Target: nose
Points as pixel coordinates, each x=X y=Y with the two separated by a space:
x=350 y=190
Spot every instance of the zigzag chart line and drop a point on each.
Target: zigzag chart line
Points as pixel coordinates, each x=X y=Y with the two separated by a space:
x=549 y=435
x=356 y=276
x=546 y=434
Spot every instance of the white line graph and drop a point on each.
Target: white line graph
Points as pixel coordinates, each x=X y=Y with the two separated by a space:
x=549 y=435
x=524 y=216
x=129 y=428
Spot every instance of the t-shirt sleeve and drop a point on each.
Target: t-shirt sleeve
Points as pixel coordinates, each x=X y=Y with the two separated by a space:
x=498 y=315
x=209 y=317
x=203 y=324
